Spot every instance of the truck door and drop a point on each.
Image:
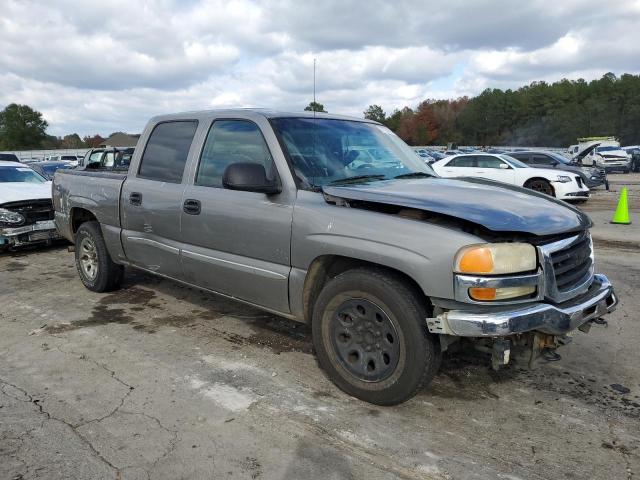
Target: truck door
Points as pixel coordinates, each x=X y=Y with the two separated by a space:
x=151 y=202
x=236 y=242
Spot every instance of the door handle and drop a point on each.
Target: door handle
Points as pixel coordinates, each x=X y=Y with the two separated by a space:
x=191 y=206
x=135 y=198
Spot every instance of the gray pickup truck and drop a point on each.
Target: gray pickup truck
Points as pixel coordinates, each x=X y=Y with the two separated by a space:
x=334 y=221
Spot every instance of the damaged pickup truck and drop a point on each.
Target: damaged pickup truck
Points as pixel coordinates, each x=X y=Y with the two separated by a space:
x=334 y=221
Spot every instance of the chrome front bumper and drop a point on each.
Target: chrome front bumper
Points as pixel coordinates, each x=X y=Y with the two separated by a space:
x=558 y=319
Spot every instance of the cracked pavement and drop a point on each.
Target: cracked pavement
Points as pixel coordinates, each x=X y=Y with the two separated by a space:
x=158 y=381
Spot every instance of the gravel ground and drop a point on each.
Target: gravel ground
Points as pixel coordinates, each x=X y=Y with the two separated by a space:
x=162 y=381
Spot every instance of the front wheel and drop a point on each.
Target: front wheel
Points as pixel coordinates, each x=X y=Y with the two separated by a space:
x=371 y=338
x=540 y=185
x=97 y=271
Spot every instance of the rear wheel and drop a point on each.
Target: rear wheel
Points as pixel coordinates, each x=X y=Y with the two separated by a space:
x=540 y=185
x=96 y=269
x=371 y=338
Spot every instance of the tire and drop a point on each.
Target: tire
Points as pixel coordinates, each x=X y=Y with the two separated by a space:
x=97 y=271
x=540 y=185
x=391 y=316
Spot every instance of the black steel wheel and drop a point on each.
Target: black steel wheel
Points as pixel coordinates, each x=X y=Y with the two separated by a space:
x=365 y=340
x=371 y=338
x=540 y=185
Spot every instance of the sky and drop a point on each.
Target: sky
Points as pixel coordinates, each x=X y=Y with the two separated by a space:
x=98 y=67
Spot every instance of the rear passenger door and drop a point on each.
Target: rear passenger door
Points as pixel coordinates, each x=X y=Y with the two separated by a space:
x=151 y=201
x=237 y=242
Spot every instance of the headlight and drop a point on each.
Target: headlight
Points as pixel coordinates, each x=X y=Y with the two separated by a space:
x=496 y=258
x=10 y=218
x=563 y=179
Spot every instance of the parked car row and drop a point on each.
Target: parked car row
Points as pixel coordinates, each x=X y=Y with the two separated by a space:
x=507 y=169
x=26 y=209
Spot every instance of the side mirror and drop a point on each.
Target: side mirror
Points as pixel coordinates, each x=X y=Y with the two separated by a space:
x=504 y=166
x=249 y=177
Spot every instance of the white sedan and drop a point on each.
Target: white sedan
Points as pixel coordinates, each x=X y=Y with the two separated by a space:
x=26 y=209
x=503 y=168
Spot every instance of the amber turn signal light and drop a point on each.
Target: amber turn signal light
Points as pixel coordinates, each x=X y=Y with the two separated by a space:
x=482 y=293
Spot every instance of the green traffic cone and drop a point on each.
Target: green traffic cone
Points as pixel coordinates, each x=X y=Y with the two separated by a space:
x=622 y=212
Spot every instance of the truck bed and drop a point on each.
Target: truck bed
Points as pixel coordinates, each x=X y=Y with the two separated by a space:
x=96 y=191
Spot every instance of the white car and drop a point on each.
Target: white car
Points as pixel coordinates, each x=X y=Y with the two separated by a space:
x=503 y=168
x=26 y=208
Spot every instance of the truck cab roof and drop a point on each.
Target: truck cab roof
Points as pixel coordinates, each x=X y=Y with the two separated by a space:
x=250 y=113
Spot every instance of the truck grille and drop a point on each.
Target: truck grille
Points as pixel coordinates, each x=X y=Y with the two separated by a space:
x=32 y=210
x=569 y=266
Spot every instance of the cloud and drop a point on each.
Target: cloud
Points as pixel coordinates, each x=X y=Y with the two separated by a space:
x=100 y=67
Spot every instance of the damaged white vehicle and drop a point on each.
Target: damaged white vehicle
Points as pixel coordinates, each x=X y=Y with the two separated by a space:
x=26 y=209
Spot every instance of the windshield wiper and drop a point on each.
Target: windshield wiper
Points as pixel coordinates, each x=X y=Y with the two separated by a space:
x=415 y=175
x=357 y=178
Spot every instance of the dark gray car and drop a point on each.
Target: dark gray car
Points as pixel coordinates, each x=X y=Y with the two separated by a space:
x=334 y=221
x=591 y=176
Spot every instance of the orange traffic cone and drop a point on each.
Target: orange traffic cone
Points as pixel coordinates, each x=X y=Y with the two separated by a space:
x=622 y=212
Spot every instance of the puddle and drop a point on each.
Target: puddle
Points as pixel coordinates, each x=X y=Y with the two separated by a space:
x=15 y=266
x=100 y=315
x=131 y=295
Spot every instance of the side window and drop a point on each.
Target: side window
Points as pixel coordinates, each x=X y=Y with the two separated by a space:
x=166 y=152
x=108 y=160
x=485 y=161
x=228 y=142
x=95 y=158
x=468 y=161
x=542 y=160
x=523 y=157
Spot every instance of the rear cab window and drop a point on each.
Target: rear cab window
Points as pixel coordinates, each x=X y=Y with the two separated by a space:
x=166 y=152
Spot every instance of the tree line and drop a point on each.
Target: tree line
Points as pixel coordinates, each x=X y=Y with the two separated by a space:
x=23 y=128
x=539 y=114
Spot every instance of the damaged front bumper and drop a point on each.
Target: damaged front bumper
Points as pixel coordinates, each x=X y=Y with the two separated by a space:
x=43 y=231
x=547 y=318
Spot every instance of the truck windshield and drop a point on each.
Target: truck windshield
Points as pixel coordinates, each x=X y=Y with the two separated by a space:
x=324 y=151
x=19 y=174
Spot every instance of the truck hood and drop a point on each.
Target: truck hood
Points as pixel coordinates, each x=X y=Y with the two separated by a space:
x=496 y=206
x=19 y=191
x=584 y=152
